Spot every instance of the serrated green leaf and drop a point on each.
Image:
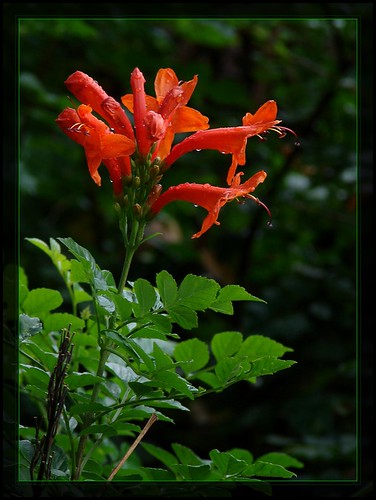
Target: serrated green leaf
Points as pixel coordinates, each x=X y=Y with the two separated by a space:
x=164 y=456
x=80 y=295
x=228 y=294
x=146 y=296
x=192 y=472
x=141 y=412
x=173 y=380
x=162 y=360
x=79 y=273
x=257 y=346
x=242 y=454
x=36 y=375
x=227 y=369
x=154 y=474
x=123 y=307
x=183 y=316
x=167 y=288
x=227 y=464
x=149 y=332
x=236 y=292
x=107 y=430
x=106 y=303
x=226 y=344
x=281 y=459
x=265 y=469
x=29 y=326
x=57 y=321
x=27 y=449
x=42 y=245
x=82 y=254
x=208 y=378
x=194 y=353
x=41 y=301
x=84 y=379
x=161 y=321
x=186 y=455
x=197 y=292
x=47 y=359
x=268 y=365
x=82 y=408
x=168 y=403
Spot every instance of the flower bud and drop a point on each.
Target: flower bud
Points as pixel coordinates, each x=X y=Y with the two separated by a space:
x=137 y=211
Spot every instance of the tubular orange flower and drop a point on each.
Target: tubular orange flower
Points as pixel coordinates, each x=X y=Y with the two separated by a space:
x=167 y=113
x=99 y=142
x=231 y=139
x=212 y=198
x=89 y=92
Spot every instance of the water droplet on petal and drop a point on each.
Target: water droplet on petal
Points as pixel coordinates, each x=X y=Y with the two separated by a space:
x=198 y=149
x=269 y=223
x=297 y=143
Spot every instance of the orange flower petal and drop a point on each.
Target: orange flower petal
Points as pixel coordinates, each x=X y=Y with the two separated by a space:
x=165 y=80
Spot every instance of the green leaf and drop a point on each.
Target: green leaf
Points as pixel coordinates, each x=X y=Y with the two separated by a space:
x=268 y=365
x=226 y=344
x=48 y=359
x=153 y=474
x=149 y=332
x=242 y=454
x=142 y=412
x=265 y=469
x=29 y=326
x=78 y=272
x=227 y=464
x=209 y=378
x=36 y=376
x=227 y=369
x=173 y=380
x=192 y=472
x=186 y=455
x=27 y=449
x=194 y=353
x=227 y=295
x=183 y=316
x=106 y=303
x=123 y=307
x=41 y=301
x=257 y=346
x=84 y=379
x=146 y=296
x=279 y=458
x=168 y=403
x=161 y=321
x=81 y=254
x=197 y=292
x=164 y=456
x=57 y=321
x=107 y=430
x=80 y=294
x=167 y=288
x=162 y=360
x=82 y=408
x=54 y=252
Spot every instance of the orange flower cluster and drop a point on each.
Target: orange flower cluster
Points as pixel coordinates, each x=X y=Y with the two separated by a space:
x=120 y=146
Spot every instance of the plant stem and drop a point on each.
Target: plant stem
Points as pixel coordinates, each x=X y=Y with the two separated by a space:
x=149 y=423
x=135 y=240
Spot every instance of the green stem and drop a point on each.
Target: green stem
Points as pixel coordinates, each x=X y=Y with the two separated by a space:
x=135 y=240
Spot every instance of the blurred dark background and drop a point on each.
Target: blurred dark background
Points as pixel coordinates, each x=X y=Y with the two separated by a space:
x=306 y=266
